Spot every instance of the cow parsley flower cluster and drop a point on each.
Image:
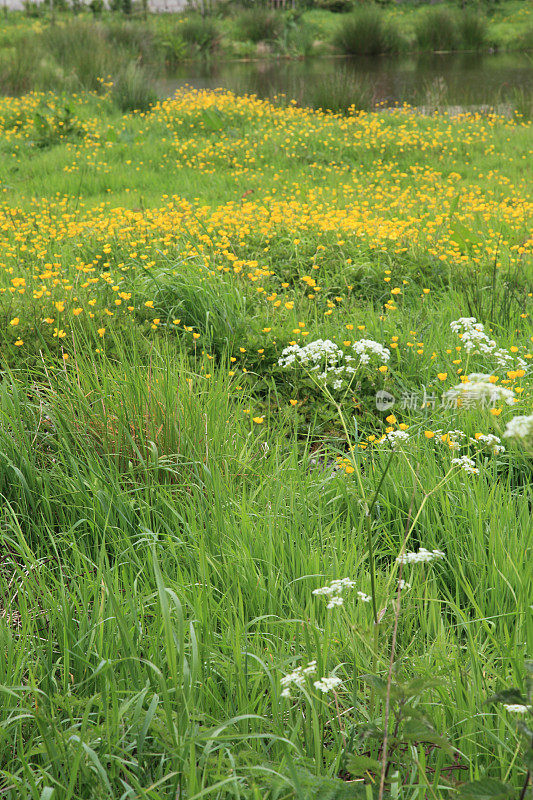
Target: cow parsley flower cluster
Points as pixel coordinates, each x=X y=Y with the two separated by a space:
x=472 y=335
x=478 y=393
x=328 y=363
x=313 y=355
x=323 y=358
x=420 y=557
x=326 y=685
x=520 y=428
x=516 y=708
x=296 y=678
x=452 y=438
x=475 y=340
x=489 y=440
x=466 y=463
x=366 y=348
x=334 y=591
x=477 y=377
x=395 y=438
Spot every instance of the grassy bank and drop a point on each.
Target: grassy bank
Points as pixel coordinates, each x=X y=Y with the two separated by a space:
x=73 y=52
x=173 y=495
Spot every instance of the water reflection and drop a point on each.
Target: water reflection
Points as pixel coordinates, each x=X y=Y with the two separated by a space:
x=466 y=79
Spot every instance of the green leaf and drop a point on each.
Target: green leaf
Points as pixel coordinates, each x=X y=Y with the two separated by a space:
x=486 y=789
x=419 y=685
x=377 y=683
x=463 y=235
x=360 y=765
x=420 y=730
x=368 y=730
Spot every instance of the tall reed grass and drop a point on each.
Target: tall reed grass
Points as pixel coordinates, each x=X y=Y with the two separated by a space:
x=159 y=561
x=473 y=30
x=346 y=94
x=84 y=55
x=367 y=32
x=438 y=29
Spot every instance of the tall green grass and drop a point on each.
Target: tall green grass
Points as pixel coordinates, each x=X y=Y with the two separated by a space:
x=474 y=30
x=438 y=29
x=133 y=89
x=367 y=32
x=84 y=55
x=200 y=32
x=159 y=562
x=345 y=95
x=259 y=25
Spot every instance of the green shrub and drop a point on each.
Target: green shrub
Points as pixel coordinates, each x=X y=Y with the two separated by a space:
x=297 y=39
x=173 y=48
x=134 y=40
x=367 y=32
x=525 y=40
x=200 y=32
x=259 y=25
x=473 y=30
x=437 y=29
x=33 y=9
x=97 y=7
x=335 y=6
x=90 y=51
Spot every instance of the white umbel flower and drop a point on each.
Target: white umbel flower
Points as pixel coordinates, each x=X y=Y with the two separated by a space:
x=365 y=348
x=472 y=335
x=489 y=440
x=395 y=438
x=478 y=393
x=466 y=464
x=516 y=708
x=520 y=428
x=419 y=557
x=335 y=587
x=312 y=355
x=296 y=678
x=326 y=685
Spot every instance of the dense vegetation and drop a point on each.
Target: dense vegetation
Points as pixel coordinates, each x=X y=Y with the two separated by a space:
x=176 y=490
x=75 y=51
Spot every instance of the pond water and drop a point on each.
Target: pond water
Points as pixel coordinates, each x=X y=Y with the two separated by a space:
x=448 y=79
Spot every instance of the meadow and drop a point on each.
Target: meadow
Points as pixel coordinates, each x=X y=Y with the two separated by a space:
x=266 y=438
